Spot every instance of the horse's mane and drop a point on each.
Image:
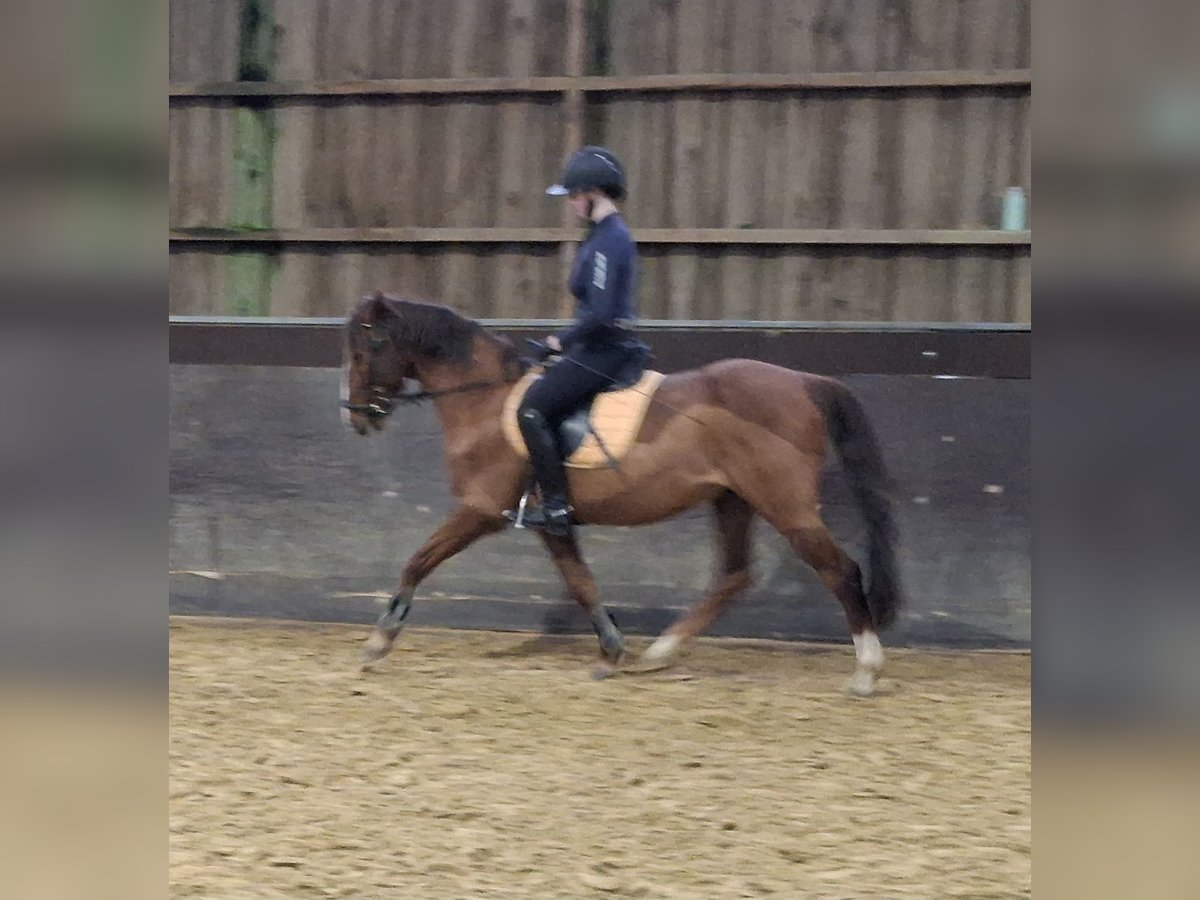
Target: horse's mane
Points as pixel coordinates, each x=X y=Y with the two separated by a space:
x=432 y=330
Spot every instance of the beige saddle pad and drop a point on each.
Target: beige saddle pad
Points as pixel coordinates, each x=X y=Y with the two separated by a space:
x=616 y=415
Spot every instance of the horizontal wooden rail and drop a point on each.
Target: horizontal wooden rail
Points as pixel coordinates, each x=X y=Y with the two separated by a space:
x=610 y=84
x=777 y=236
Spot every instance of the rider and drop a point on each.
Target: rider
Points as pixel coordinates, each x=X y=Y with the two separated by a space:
x=600 y=344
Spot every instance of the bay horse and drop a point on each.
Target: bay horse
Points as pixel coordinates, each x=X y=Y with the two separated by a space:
x=745 y=437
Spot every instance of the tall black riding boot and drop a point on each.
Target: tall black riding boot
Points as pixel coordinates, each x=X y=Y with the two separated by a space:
x=554 y=516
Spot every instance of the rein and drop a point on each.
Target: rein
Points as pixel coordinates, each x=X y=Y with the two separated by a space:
x=383 y=403
x=413 y=397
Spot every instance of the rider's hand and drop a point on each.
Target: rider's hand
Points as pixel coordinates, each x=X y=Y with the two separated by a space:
x=541 y=349
x=554 y=343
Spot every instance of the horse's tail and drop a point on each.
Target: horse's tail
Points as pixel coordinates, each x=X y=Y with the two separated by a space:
x=852 y=434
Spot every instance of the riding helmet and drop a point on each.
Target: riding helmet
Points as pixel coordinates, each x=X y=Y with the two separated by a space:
x=591 y=167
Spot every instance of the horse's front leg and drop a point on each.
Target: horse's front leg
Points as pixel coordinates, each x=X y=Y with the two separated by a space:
x=463 y=528
x=581 y=585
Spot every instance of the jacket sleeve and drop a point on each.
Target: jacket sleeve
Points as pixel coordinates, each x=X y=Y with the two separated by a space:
x=607 y=293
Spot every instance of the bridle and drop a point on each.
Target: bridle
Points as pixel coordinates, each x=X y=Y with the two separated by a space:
x=383 y=401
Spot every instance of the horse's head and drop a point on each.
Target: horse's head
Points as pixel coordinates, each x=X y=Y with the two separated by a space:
x=375 y=366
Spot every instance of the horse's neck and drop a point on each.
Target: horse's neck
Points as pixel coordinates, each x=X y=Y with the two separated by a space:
x=464 y=411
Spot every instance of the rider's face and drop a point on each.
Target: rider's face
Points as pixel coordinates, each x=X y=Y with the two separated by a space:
x=578 y=201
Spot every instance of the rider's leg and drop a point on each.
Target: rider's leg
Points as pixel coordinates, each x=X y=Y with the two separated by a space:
x=565 y=385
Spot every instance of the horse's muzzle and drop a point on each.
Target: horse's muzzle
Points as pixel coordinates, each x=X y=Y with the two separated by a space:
x=364 y=414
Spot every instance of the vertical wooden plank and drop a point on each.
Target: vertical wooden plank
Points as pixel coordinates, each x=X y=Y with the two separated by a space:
x=574 y=63
x=179 y=176
x=1019 y=136
x=248 y=273
x=517 y=122
x=298 y=39
x=505 y=272
x=372 y=270
x=892 y=37
x=744 y=181
x=550 y=298
x=781 y=287
x=916 y=155
x=718 y=58
x=223 y=56
x=669 y=31
x=718 y=43
x=295 y=124
x=1022 y=35
x=690 y=139
x=627 y=21
x=948 y=157
x=436 y=23
x=656 y=123
x=549 y=33
x=920 y=292
x=979 y=152
x=508 y=282
x=715 y=161
x=792 y=32
x=829 y=38
x=459 y=287
x=346 y=40
x=293 y=281
x=981 y=27
x=861 y=200
x=971 y=290
x=1021 y=310
x=461 y=49
x=683 y=287
x=190 y=280
x=764 y=299
x=177 y=22
x=919 y=43
x=811 y=302
x=833 y=128
x=1003 y=38
x=689 y=147
x=863 y=274
x=407 y=37
x=705 y=298
x=657 y=156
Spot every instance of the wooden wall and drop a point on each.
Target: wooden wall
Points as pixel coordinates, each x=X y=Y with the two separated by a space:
x=833 y=160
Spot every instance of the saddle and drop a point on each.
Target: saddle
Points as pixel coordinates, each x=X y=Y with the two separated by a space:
x=615 y=414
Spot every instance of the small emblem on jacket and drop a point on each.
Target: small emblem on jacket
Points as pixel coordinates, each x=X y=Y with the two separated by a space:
x=600 y=270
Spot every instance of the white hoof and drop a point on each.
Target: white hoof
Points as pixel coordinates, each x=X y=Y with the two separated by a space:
x=869 y=654
x=862 y=684
x=661 y=653
x=376 y=647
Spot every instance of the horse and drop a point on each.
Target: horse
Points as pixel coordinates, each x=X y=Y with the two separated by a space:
x=745 y=437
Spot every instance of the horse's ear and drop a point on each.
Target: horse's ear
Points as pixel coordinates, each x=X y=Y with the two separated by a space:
x=375 y=307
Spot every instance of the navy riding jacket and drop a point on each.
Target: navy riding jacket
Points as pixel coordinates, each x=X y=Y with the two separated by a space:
x=603 y=280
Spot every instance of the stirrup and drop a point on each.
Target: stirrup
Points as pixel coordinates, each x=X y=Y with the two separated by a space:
x=557 y=523
x=517 y=516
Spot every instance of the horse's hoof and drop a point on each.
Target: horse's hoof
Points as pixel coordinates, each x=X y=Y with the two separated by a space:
x=607 y=667
x=660 y=655
x=862 y=683
x=604 y=669
x=377 y=646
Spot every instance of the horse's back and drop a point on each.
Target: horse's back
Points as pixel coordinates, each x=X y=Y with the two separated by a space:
x=731 y=382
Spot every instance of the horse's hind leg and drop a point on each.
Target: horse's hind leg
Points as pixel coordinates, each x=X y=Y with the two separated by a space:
x=815 y=545
x=787 y=496
x=734 y=518
x=581 y=585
